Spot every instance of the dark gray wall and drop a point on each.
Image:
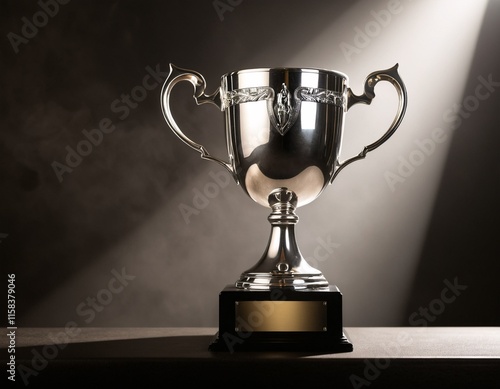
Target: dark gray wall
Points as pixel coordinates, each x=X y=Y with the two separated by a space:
x=107 y=244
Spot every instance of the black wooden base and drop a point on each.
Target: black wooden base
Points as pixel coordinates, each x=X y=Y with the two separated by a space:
x=281 y=319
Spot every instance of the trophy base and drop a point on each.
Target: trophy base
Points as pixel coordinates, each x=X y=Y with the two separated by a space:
x=281 y=319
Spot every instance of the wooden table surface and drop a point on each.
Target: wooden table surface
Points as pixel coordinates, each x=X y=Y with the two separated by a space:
x=389 y=357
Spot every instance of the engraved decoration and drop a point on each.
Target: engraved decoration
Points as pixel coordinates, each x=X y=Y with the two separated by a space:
x=246 y=95
x=319 y=95
x=282 y=112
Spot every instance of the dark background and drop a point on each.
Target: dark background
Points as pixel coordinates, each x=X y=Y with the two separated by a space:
x=392 y=250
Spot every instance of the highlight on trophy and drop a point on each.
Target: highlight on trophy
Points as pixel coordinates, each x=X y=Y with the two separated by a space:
x=284 y=129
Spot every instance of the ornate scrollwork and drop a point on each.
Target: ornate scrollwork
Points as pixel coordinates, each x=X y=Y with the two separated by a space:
x=245 y=95
x=319 y=95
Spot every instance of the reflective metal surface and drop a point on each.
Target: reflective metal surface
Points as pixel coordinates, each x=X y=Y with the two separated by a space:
x=282 y=264
x=284 y=133
x=285 y=129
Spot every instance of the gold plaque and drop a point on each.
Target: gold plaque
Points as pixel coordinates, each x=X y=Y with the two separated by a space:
x=285 y=316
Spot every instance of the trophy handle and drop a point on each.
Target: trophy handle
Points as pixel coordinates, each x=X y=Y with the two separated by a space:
x=177 y=75
x=393 y=77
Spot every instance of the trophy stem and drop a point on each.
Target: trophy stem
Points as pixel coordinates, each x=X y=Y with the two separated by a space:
x=282 y=264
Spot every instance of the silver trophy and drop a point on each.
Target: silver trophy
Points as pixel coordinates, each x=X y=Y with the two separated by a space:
x=284 y=130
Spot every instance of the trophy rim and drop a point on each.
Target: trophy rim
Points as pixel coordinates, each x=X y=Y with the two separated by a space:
x=288 y=69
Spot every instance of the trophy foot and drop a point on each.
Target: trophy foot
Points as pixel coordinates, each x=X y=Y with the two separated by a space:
x=282 y=264
x=265 y=281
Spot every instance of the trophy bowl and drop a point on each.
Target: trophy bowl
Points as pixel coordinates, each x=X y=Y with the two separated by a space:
x=284 y=129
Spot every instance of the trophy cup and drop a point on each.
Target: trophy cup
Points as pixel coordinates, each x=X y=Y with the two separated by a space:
x=284 y=131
